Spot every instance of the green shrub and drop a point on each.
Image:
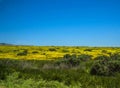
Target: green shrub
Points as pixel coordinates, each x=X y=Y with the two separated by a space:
x=115 y=56
x=65 y=51
x=104 y=51
x=90 y=50
x=100 y=68
x=4 y=71
x=52 y=49
x=24 y=53
x=102 y=57
x=35 y=52
x=84 y=57
x=1 y=51
x=69 y=60
x=5 y=68
x=67 y=56
x=114 y=66
x=105 y=68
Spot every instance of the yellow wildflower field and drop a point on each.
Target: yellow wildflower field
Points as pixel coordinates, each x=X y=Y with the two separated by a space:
x=52 y=52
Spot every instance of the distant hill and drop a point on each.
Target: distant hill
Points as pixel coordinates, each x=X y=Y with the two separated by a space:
x=6 y=44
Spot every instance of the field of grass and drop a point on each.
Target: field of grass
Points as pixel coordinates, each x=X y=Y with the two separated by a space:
x=59 y=67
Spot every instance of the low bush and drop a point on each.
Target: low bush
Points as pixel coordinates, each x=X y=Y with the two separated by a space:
x=105 y=67
x=115 y=56
x=5 y=69
x=90 y=50
x=69 y=60
x=35 y=52
x=102 y=57
x=84 y=57
x=52 y=49
x=104 y=51
x=24 y=53
x=65 y=51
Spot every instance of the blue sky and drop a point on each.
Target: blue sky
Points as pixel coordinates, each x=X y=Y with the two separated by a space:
x=60 y=22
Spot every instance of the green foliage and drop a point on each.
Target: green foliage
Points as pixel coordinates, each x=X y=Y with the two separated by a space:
x=13 y=81
x=23 y=53
x=104 y=51
x=1 y=51
x=65 y=51
x=84 y=57
x=73 y=60
x=115 y=56
x=69 y=60
x=100 y=68
x=67 y=56
x=52 y=49
x=90 y=50
x=105 y=67
x=35 y=52
x=102 y=57
x=75 y=70
x=5 y=69
x=32 y=74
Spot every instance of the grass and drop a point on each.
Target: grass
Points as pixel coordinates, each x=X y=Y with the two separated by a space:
x=31 y=74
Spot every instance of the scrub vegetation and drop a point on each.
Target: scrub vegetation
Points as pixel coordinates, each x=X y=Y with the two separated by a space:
x=59 y=67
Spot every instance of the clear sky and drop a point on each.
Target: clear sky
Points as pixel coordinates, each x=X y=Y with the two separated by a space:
x=60 y=22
